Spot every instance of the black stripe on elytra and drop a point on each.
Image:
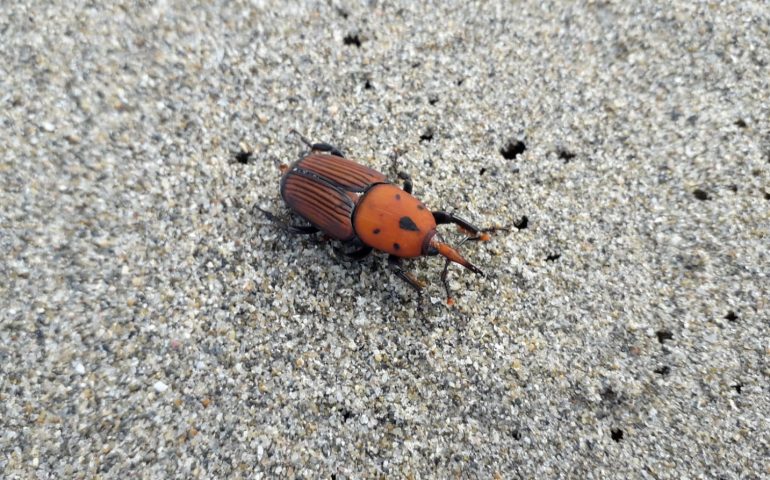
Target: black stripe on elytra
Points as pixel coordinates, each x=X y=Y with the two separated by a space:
x=406 y=223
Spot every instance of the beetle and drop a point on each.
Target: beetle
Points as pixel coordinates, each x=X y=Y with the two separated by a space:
x=361 y=208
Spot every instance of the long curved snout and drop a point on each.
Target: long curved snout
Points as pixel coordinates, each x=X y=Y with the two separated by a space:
x=454 y=256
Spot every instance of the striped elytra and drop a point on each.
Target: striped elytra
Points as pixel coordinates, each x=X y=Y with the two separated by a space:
x=343 y=172
x=360 y=207
x=324 y=190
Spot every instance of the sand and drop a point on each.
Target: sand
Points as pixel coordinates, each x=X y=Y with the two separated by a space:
x=154 y=324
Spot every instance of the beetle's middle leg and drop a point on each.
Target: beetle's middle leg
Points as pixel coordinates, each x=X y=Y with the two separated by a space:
x=325 y=147
x=359 y=254
x=302 y=229
x=394 y=263
x=321 y=147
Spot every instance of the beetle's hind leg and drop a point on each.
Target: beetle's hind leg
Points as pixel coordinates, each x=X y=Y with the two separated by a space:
x=298 y=229
x=321 y=147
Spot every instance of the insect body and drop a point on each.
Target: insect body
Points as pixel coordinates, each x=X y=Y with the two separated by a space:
x=359 y=206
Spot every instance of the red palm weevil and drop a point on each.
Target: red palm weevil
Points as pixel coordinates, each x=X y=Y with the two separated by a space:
x=361 y=208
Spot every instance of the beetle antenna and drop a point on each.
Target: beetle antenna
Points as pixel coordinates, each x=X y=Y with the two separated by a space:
x=302 y=137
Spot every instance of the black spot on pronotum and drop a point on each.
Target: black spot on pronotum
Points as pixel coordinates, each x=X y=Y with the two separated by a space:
x=513 y=149
x=398 y=196
x=406 y=223
x=351 y=39
x=617 y=434
x=664 y=370
x=701 y=194
x=243 y=157
x=731 y=316
x=376 y=231
x=664 y=335
x=521 y=223
x=396 y=246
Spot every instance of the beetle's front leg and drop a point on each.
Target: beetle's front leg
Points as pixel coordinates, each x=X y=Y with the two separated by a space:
x=407 y=181
x=449 y=299
x=478 y=233
x=446 y=217
x=394 y=263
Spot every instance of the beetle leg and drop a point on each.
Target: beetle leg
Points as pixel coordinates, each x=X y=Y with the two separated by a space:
x=407 y=181
x=446 y=282
x=446 y=217
x=298 y=229
x=355 y=254
x=394 y=263
x=325 y=147
x=302 y=229
x=321 y=147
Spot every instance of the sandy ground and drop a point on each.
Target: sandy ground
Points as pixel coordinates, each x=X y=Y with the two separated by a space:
x=154 y=324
